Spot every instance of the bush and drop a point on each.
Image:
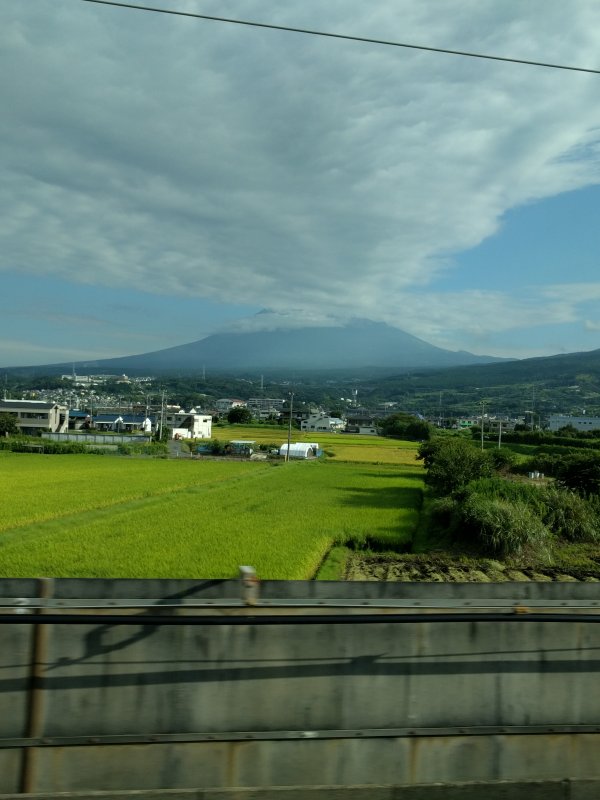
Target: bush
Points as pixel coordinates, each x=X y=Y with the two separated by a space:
x=268 y=446
x=503 y=459
x=512 y=491
x=569 y=516
x=444 y=513
x=217 y=447
x=143 y=448
x=501 y=527
x=580 y=472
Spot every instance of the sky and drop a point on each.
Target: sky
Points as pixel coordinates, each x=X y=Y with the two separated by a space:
x=163 y=178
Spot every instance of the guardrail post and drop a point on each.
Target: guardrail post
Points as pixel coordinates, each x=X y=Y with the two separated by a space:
x=35 y=711
x=250 y=585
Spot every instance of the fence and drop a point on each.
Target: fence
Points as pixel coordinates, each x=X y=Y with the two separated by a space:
x=96 y=438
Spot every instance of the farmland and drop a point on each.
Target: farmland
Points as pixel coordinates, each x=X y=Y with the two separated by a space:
x=102 y=516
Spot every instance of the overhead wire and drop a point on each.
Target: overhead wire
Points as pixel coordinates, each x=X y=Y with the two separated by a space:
x=347 y=37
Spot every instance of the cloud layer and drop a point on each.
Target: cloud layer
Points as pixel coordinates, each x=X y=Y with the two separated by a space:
x=182 y=157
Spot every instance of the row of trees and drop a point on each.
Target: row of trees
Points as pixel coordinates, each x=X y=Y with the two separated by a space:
x=405 y=426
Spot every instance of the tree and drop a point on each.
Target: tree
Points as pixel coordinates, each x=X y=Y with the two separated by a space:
x=8 y=424
x=453 y=462
x=405 y=426
x=239 y=415
x=580 y=472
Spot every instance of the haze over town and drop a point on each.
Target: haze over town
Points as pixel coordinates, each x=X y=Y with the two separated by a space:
x=166 y=177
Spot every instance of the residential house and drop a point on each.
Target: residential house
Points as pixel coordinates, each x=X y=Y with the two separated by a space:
x=322 y=422
x=360 y=420
x=122 y=423
x=189 y=424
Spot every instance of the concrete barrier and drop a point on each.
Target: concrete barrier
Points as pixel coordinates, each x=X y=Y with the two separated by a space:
x=475 y=688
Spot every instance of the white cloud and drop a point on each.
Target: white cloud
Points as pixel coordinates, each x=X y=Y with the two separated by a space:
x=195 y=158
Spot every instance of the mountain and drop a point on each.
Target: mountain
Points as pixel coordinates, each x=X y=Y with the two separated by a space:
x=559 y=370
x=357 y=345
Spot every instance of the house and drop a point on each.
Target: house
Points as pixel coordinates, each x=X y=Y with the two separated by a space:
x=35 y=417
x=360 y=420
x=79 y=419
x=122 y=423
x=322 y=422
x=189 y=424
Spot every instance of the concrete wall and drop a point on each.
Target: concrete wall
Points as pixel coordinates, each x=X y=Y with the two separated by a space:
x=149 y=706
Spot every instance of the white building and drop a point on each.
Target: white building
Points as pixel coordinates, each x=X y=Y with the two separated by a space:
x=583 y=423
x=189 y=424
x=321 y=422
x=36 y=416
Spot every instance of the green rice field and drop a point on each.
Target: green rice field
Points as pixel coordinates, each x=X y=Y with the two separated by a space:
x=102 y=516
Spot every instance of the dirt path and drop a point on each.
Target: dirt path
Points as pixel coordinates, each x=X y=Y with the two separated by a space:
x=444 y=569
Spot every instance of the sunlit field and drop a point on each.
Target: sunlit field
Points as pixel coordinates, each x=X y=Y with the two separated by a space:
x=341 y=446
x=102 y=516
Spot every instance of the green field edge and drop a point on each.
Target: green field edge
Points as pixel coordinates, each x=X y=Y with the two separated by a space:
x=336 y=562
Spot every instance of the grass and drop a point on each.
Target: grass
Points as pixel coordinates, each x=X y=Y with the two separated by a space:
x=334 y=565
x=93 y=516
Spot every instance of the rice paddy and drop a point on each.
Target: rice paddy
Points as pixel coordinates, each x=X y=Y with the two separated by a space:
x=101 y=516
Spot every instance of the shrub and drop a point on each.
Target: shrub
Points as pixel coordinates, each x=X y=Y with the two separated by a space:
x=503 y=459
x=570 y=516
x=501 y=527
x=581 y=473
x=444 y=513
x=509 y=490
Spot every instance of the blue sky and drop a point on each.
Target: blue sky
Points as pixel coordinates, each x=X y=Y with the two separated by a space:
x=162 y=178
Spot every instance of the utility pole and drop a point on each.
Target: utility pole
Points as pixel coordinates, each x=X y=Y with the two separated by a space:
x=162 y=414
x=482 y=416
x=500 y=434
x=287 y=453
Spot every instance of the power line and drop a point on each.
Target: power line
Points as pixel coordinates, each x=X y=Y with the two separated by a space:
x=363 y=39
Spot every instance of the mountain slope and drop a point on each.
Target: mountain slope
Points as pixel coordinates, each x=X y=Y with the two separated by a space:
x=356 y=345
